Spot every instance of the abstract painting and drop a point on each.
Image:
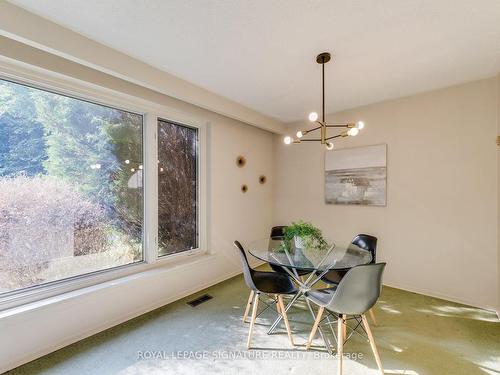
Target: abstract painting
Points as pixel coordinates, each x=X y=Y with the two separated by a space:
x=356 y=176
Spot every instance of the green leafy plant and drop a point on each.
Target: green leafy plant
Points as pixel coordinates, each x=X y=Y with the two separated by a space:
x=311 y=236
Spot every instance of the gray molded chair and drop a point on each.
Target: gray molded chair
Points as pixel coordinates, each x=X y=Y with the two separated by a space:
x=356 y=294
x=270 y=283
x=366 y=242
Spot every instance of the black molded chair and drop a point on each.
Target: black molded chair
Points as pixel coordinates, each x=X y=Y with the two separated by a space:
x=270 y=283
x=357 y=293
x=278 y=233
x=365 y=242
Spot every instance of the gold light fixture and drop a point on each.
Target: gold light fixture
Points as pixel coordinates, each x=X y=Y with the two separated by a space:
x=351 y=129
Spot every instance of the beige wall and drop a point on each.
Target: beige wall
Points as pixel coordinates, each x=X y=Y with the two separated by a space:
x=438 y=233
x=37 y=329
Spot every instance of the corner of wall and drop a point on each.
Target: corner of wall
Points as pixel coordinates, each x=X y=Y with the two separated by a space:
x=498 y=196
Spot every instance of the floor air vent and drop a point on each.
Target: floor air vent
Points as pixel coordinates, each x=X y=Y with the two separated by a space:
x=200 y=300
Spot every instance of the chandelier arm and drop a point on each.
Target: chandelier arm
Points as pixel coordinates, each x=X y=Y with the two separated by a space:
x=333 y=137
x=309 y=131
x=337 y=125
x=311 y=140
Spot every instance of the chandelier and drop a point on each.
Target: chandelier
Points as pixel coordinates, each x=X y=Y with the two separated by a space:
x=351 y=129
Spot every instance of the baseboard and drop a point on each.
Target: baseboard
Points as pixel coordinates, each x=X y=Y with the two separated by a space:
x=257 y=263
x=122 y=319
x=438 y=295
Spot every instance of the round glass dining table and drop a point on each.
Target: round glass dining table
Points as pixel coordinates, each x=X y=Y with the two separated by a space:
x=334 y=255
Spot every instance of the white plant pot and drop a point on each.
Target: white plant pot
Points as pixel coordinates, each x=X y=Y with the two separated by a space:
x=299 y=242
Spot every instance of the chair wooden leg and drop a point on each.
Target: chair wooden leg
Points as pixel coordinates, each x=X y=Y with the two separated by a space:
x=344 y=328
x=315 y=327
x=277 y=304
x=249 y=303
x=372 y=344
x=285 y=318
x=340 y=342
x=372 y=317
x=255 y=304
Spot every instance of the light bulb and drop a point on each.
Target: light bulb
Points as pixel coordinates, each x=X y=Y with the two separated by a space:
x=329 y=146
x=287 y=140
x=140 y=166
x=360 y=125
x=127 y=161
x=300 y=134
x=353 y=132
x=313 y=116
x=132 y=169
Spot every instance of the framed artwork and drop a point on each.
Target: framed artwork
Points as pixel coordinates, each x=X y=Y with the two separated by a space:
x=356 y=176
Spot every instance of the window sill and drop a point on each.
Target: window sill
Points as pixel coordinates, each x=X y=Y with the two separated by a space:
x=135 y=272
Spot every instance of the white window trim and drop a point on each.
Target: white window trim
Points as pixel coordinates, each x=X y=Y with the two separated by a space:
x=202 y=182
x=50 y=81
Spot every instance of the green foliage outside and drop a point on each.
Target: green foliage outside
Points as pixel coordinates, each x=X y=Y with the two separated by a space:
x=49 y=134
x=76 y=152
x=22 y=142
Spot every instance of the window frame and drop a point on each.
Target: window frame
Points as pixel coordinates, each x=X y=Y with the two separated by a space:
x=192 y=122
x=63 y=85
x=200 y=172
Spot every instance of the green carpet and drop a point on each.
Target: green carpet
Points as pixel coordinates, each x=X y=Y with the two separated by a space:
x=415 y=335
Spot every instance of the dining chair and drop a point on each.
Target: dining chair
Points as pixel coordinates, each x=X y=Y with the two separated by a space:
x=278 y=233
x=356 y=294
x=365 y=242
x=272 y=284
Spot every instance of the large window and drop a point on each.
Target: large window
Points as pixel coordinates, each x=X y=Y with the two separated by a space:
x=177 y=188
x=71 y=194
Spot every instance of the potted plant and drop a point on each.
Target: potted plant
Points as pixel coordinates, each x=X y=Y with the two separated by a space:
x=305 y=235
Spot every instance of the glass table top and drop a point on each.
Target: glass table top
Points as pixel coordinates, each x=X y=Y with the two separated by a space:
x=336 y=255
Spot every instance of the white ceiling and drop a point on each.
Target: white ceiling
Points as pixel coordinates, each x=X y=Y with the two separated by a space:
x=261 y=53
